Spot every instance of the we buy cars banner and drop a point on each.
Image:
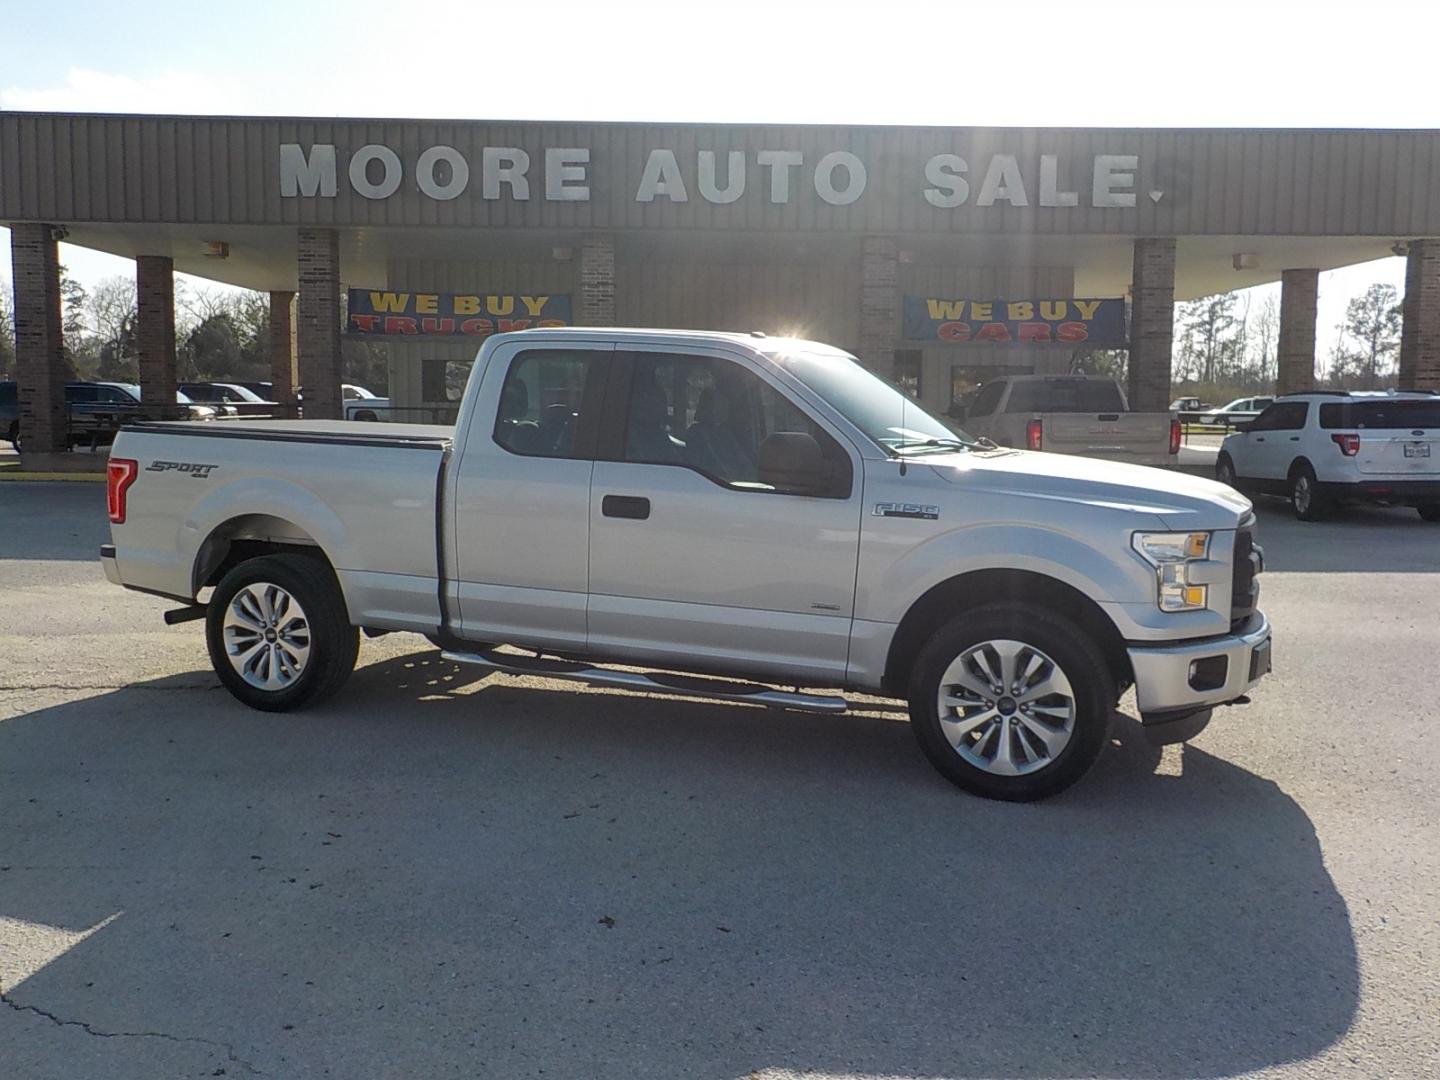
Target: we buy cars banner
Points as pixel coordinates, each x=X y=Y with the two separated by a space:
x=1020 y=322
x=378 y=312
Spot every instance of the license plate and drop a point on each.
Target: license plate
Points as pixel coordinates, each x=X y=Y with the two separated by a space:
x=1417 y=449
x=1260 y=660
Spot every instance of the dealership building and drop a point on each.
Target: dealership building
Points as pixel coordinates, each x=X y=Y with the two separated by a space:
x=939 y=256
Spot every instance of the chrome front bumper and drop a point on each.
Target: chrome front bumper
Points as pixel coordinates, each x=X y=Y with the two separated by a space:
x=107 y=560
x=1165 y=676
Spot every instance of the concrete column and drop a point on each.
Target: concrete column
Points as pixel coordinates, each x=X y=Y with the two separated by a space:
x=1420 y=337
x=155 y=332
x=1152 y=323
x=597 y=281
x=39 y=344
x=1295 y=353
x=317 y=327
x=282 y=349
x=879 y=303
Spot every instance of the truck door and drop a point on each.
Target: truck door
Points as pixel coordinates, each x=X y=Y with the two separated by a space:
x=521 y=495
x=695 y=562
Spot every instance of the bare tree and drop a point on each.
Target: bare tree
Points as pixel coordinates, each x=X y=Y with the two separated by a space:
x=1265 y=340
x=1369 y=341
x=7 y=333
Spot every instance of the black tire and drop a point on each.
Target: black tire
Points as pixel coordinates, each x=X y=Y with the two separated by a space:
x=1429 y=511
x=1225 y=470
x=333 y=642
x=1306 y=500
x=1070 y=648
x=367 y=415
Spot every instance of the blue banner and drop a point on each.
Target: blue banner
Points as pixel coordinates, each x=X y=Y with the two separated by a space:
x=380 y=312
x=1015 y=322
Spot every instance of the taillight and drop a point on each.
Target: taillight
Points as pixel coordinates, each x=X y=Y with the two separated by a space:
x=1034 y=434
x=119 y=475
x=1174 y=435
x=1349 y=444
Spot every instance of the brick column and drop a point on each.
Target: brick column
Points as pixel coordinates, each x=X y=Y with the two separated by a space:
x=1420 y=337
x=1152 y=323
x=39 y=344
x=1295 y=353
x=317 y=329
x=879 y=303
x=282 y=349
x=155 y=332
x=597 y=280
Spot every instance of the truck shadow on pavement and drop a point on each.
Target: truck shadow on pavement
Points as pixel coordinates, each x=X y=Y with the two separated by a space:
x=433 y=875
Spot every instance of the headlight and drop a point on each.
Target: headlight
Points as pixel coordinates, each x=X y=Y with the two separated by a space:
x=1171 y=554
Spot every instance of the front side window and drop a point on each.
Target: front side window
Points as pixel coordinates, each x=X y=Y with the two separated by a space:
x=541 y=402
x=712 y=415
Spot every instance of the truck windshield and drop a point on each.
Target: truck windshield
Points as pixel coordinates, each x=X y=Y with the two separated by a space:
x=890 y=418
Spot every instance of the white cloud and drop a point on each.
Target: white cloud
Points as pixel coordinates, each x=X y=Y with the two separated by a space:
x=85 y=90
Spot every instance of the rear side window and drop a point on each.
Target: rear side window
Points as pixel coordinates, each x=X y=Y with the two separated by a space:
x=8 y=395
x=1065 y=395
x=546 y=392
x=1380 y=414
x=987 y=399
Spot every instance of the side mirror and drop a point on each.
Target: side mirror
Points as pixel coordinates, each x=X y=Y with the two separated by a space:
x=958 y=411
x=792 y=461
x=1244 y=425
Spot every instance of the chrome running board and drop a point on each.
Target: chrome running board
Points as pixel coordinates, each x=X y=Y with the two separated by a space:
x=647 y=682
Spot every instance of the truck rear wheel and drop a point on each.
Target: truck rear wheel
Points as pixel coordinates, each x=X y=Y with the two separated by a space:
x=278 y=633
x=1011 y=702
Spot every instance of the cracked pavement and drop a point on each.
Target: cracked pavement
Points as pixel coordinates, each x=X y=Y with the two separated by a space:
x=441 y=875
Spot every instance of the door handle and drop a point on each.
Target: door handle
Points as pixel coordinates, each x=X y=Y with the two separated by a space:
x=1294 y=438
x=1260 y=438
x=635 y=507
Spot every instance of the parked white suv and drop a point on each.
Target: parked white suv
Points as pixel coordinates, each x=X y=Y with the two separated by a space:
x=1327 y=447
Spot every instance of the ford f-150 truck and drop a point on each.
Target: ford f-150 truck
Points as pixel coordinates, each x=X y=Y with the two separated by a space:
x=711 y=508
x=1071 y=414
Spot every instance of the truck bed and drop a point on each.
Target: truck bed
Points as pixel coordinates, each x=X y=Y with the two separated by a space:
x=366 y=493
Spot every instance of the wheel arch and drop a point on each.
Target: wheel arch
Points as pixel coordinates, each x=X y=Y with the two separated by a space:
x=248 y=536
x=1295 y=466
x=970 y=590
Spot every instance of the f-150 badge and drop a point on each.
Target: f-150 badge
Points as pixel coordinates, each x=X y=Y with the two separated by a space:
x=907 y=510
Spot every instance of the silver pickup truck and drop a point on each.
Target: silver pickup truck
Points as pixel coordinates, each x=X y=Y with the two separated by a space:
x=715 y=507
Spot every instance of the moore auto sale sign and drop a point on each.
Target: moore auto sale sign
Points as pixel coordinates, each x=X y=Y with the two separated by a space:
x=663 y=174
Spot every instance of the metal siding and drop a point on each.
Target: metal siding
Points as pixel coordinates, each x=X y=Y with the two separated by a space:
x=225 y=170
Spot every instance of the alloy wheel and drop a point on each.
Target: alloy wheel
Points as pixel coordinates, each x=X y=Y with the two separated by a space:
x=1006 y=707
x=267 y=636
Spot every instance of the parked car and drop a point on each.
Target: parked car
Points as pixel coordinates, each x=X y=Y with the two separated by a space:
x=760 y=509
x=1236 y=412
x=245 y=401
x=1188 y=404
x=1071 y=414
x=1324 y=449
x=94 y=410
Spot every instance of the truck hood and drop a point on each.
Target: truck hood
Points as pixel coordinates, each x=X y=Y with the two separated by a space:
x=1182 y=500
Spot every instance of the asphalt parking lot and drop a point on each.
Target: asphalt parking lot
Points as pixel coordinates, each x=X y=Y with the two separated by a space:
x=438 y=875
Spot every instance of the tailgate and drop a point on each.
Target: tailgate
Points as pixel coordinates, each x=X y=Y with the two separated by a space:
x=1140 y=438
x=1400 y=453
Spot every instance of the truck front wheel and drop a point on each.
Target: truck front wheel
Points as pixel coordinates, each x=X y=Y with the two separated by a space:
x=1010 y=701
x=278 y=634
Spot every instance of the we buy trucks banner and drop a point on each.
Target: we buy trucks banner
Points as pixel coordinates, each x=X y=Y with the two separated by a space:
x=1020 y=322
x=377 y=312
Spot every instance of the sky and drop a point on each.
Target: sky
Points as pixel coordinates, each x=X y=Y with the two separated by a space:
x=1162 y=63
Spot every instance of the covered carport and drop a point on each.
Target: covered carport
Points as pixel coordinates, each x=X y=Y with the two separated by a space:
x=816 y=230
